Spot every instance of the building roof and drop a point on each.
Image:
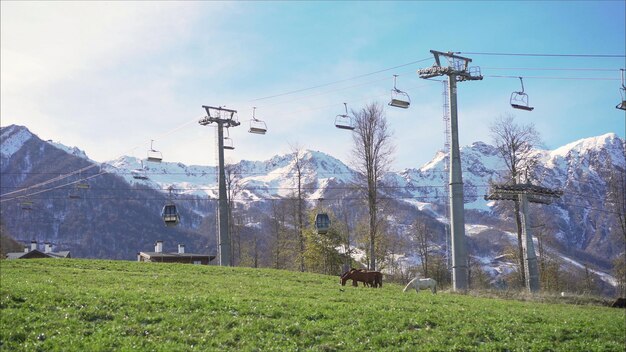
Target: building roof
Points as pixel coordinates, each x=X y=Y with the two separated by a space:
x=176 y=255
x=35 y=253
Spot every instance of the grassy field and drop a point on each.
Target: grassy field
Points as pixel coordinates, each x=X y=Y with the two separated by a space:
x=95 y=305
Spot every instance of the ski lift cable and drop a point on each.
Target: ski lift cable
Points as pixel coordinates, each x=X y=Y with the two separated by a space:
x=89 y=167
x=341 y=80
x=558 y=78
x=551 y=69
x=545 y=55
x=2 y=200
x=425 y=198
x=368 y=74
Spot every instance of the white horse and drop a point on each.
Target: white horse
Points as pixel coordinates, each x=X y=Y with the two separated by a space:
x=422 y=284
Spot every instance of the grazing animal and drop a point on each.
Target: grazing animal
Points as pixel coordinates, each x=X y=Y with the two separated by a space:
x=422 y=284
x=368 y=278
x=619 y=303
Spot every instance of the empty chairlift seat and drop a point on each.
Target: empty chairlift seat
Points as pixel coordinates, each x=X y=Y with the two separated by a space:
x=519 y=100
x=154 y=155
x=399 y=99
x=257 y=126
x=344 y=121
x=139 y=174
x=228 y=143
x=622 y=92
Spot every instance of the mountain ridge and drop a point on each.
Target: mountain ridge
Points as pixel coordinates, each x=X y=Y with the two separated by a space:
x=579 y=225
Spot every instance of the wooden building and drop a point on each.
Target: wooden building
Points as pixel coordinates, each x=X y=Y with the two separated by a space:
x=32 y=252
x=174 y=257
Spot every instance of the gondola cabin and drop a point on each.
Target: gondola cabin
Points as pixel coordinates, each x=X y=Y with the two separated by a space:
x=322 y=223
x=170 y=215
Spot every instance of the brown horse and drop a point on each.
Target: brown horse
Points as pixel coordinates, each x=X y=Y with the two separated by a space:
x=368 y=278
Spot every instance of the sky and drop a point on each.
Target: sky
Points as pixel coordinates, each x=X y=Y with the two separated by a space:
x=110 y=77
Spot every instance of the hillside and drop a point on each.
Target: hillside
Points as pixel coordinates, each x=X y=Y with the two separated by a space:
x=119 y=214
x=79 y=305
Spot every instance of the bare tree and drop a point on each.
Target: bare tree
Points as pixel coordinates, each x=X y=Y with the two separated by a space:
x=616 y=197
x=300 y=164
x=279 y=226
x=421 y=238
x=515 y=144
x=233 y=188
x=372 y=150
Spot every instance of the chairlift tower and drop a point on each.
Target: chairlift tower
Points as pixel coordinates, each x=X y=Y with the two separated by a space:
x=223 y=118
x=525 y=193
x=457 y=70
x=446 y=164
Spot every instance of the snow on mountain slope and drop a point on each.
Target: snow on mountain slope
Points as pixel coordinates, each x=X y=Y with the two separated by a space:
x=71 y=150
x=12 y=139
x=276 y=177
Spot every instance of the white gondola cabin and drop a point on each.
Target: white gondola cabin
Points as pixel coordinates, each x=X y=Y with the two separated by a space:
x=344 y=121
x=399 y=98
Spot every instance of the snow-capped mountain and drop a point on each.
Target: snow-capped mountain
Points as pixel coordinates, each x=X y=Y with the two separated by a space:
x=581 y=226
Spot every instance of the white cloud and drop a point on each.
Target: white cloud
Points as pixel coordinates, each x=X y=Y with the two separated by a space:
x=100 y=74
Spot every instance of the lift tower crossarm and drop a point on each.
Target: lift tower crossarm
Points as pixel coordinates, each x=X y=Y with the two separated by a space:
x=525 y=193
x=457 y=65
x=222 y=121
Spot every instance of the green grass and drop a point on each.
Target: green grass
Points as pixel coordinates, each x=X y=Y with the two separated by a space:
x=95 y=305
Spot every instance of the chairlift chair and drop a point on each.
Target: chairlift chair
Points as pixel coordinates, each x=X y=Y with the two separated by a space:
x=622 y=105
x=82 y=185
x=26 y=205
x=519 y=100
x=154 y=156
x=139 y=174
x=622 y=92
x=228 y=142
x=74 y=194
x=257 y=126
x=344 y=121
x=77 y=191
x=399 y=98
